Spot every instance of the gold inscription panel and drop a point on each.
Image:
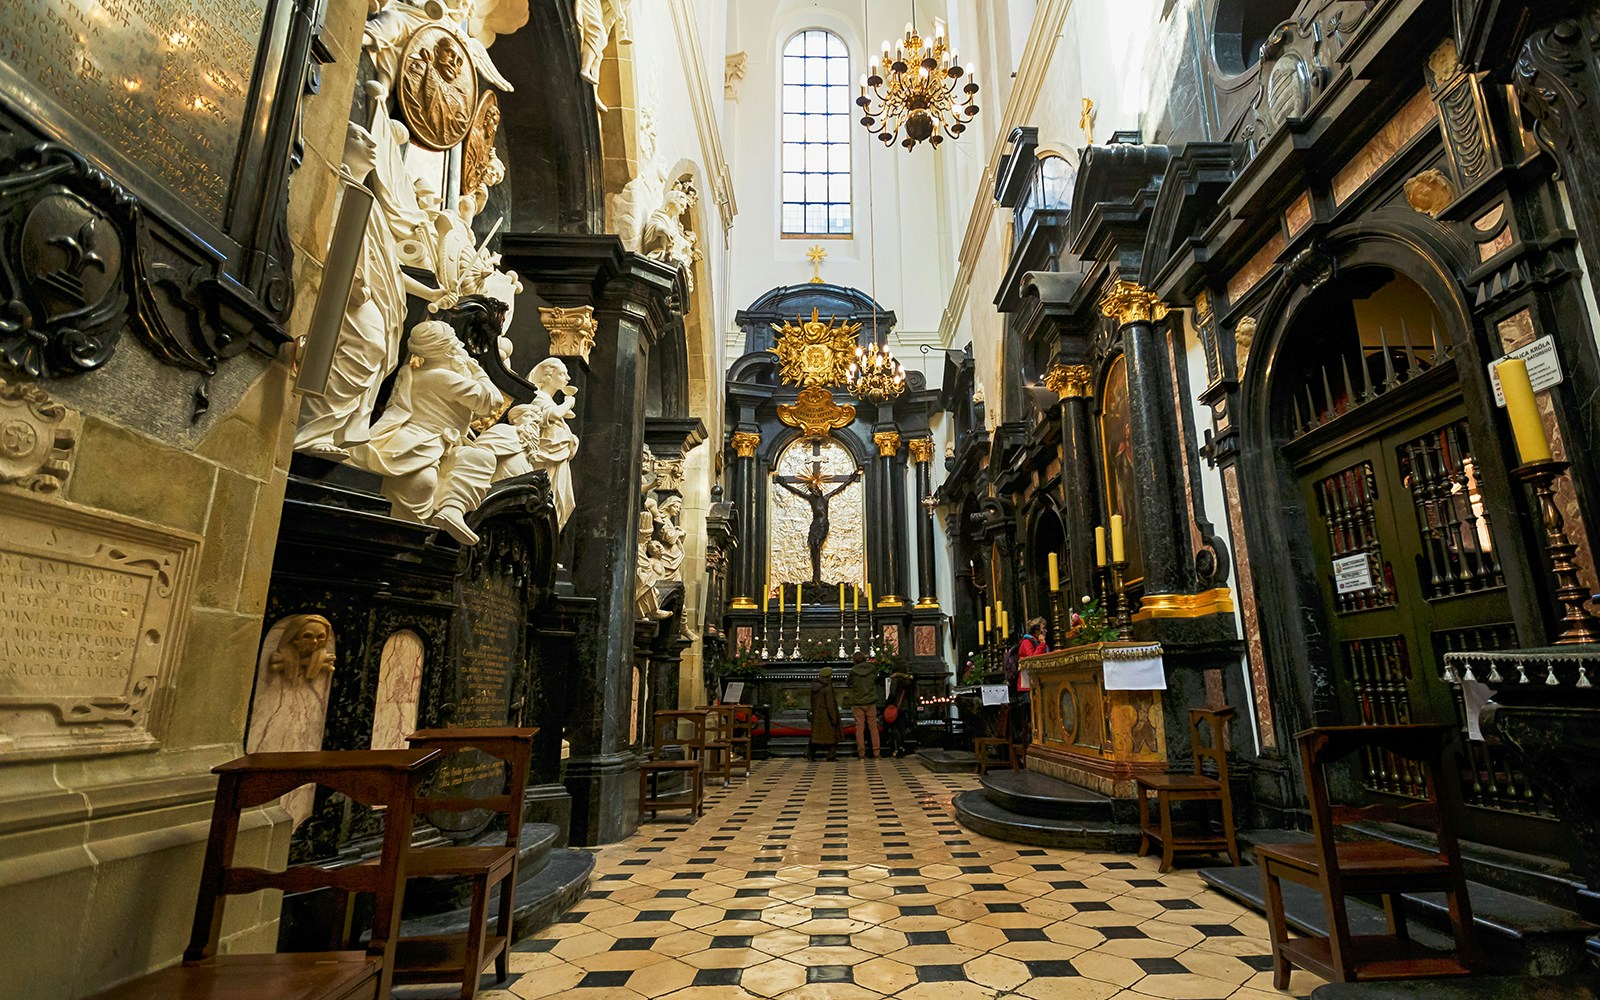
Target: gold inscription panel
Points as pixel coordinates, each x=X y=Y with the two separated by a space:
x=92 y=615
x=162 y=83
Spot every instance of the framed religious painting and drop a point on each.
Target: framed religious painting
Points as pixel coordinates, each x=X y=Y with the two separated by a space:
x=1117 y=454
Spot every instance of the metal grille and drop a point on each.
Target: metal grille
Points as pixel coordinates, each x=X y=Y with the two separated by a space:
x=1377 y=669
x=1489 y=778
x=1348 y=503
x=1458 y=552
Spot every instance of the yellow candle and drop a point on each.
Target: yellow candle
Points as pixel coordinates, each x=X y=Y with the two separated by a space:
x=988 y=617
x=766 y=597
x=999 y=606
x=780 y=599
x=1100 y=547
x=870 y=605
x=799 y=597
x=1005 y=624
x=1055 y=573
x=841 y=598
x=980 y=633
x=857 y=600
x=1119 y=551
x=1527 y=425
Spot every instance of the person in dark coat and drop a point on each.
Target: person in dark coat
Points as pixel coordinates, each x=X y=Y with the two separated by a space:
x=864 y=702
x=824 y=716
x=903 y=699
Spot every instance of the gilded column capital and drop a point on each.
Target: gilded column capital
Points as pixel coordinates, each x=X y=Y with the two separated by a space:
x=888 y=442
x=921 y=449
x=1129 y=302
x=571 y=330
x=1069 y=381
x=745 y=443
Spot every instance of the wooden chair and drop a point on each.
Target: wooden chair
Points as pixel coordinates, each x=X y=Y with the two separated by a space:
x=676 y=741
x=379 y=778
x=739 y=735
x=1376 y=868
x=463 y=957
x=718 y=745
x=1198 y=786
x=982 y=745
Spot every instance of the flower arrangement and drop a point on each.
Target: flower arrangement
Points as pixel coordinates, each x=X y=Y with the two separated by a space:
x=889 y=663
x=816 y=649
x=1090 y=624
x=976 y=666
x=743 y=663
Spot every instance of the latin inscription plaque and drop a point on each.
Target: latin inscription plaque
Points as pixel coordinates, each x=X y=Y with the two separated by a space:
x=159 y=86
x=91 y=620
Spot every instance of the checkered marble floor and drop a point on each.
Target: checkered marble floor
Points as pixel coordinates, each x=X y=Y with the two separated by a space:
x=853 y=880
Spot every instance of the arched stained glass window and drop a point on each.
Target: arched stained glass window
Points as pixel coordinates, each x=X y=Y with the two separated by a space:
x=816 y=135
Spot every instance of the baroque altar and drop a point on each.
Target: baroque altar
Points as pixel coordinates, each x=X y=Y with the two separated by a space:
x=1098 y=719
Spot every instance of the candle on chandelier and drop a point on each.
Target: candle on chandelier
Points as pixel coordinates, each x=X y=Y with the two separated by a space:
x=1527 y=425
x=1055 y=573
x=1100 y=547
x=1119 y=549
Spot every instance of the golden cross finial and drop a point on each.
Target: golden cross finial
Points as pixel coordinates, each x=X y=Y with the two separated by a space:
x=1086 y=120
x=816 y=255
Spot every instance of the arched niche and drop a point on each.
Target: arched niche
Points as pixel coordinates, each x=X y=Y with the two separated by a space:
x=394 y=713
x=550 y=134
x=289 y=707
x=1046 y=535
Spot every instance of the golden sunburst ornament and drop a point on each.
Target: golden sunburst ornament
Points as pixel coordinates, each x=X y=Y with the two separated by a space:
x=814 y=352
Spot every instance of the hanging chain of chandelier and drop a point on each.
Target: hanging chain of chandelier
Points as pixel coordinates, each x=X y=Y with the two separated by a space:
x=875 y=375
x=916 y=91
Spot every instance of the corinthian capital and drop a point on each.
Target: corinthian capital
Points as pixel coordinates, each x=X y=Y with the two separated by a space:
x=1069 y=381
x=921 y=449
x=745 y=443
x=888 y=442
x=1128 y=302
x=571 y=330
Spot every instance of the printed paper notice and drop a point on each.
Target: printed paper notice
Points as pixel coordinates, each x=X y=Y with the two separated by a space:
x=995 y=694
x=734 y=692
x=1544 y=367
x=1352 y=574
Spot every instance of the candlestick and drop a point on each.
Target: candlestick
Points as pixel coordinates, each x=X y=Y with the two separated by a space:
x=1100 y=547
x=1055 y=573
x=1119 y=551
x=1527 y=425
x=1124 y=617
x=1576 y=623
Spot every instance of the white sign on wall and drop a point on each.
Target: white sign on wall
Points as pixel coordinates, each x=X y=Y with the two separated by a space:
x=1352 y=574
x=1544 y=367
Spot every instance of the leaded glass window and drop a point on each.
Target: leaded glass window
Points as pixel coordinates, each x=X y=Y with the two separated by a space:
x=816 y=135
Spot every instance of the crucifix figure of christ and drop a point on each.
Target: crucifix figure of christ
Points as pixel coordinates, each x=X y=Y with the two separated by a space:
x=813 y=490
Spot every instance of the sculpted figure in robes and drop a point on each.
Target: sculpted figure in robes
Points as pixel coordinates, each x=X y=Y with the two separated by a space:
x=436 y=398
x=665 y=236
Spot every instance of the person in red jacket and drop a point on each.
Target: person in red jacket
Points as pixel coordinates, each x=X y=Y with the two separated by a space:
x=1033 y=643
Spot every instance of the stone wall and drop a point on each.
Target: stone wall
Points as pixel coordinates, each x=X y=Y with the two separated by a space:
x=100 y=841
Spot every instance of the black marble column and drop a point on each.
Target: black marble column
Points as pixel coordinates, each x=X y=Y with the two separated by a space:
x=921 y=450
x=1153 y=436
x=890 y=571
x=633 y=298
x=747 y=581
x=1079 y=476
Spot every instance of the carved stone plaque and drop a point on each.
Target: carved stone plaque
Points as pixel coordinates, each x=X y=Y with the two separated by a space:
x=93 y=610
x=159 y=89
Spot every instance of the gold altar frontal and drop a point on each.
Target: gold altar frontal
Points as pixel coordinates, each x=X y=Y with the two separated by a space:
x=1087 y=735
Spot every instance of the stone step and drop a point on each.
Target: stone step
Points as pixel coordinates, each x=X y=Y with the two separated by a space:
x=1474 y=988
x=948 y=761
x=1515 y=935
x=1032 y=794
x=978 y=812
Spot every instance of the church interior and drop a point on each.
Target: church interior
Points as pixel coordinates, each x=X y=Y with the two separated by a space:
x=482 y=515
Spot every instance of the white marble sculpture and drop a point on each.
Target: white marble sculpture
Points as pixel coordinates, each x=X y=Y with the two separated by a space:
x=390 y=26
x=666 y=237
x=597 y=19
x=647 y=569
x=671 y=535
x=305 y=648
x=436 y=398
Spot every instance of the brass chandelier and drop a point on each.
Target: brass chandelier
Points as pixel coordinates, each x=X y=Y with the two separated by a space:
x=915 y=87
x=875 y=374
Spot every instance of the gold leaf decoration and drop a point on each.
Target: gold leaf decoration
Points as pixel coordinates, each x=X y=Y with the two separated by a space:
x=816 y=413
x=813 y=352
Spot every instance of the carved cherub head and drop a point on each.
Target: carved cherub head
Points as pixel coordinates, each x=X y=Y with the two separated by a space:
x=304 y=648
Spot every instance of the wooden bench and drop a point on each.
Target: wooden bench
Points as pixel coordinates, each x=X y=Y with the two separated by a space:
x=463 y=957
x=1374 y=868
x=1195 y=786
x=386 y=779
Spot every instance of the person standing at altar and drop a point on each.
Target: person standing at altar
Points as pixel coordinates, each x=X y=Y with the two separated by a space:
x=864 y=702
x=824 y=716
x=900 y=714
x=1033 y=644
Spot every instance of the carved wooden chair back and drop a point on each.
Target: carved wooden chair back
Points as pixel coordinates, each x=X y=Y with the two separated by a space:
x=1208 y=736
x=678 y=734
x=512 y=747
x=387 y=779
x=1419 y=748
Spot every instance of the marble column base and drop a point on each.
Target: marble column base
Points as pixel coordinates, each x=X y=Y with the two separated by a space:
x=605 y=797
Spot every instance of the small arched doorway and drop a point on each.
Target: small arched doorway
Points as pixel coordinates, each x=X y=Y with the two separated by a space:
x=1404 y=540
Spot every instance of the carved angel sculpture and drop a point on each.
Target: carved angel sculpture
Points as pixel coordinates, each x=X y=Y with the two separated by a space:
x=647 y=566
x=665 y=236
x=436 y=398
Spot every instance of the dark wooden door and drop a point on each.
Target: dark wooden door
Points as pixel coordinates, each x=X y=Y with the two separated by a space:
x=1407 y=555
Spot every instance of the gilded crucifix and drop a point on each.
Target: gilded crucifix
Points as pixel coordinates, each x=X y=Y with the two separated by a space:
x=813 y=490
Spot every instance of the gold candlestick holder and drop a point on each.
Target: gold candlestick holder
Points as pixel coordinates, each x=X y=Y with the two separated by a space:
x=1124 y=618
x=1055 y=615
x=1577 y=625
